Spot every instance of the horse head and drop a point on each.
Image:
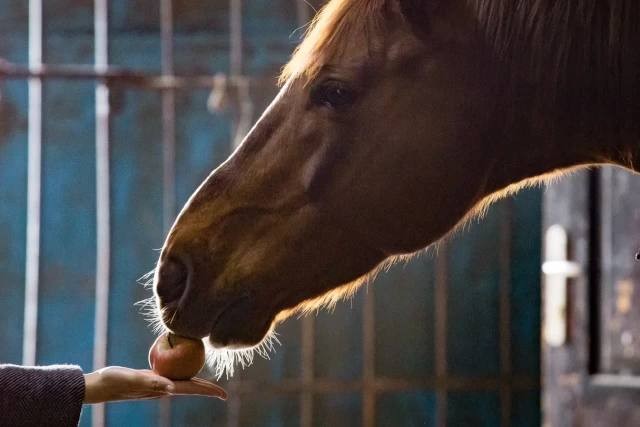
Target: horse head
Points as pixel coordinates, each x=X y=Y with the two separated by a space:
x=354 y=162
x=388 y=131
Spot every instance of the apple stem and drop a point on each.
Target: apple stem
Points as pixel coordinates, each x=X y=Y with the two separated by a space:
x=169 y=339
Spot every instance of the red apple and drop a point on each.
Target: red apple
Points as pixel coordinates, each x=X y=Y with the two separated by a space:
x=176 y=357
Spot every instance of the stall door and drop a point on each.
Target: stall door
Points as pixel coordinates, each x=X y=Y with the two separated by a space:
x=591 y=300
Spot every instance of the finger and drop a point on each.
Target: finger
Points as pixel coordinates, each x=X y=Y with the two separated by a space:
x=200 y=388
x=151 y=396
x=202 y=381
x=156 y=383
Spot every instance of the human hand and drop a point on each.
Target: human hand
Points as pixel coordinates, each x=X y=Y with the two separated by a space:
x=116 y=383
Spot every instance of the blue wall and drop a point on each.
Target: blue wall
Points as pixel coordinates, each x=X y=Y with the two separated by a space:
x=405 y=329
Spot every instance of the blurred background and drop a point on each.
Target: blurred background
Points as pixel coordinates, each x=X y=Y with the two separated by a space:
x=107 y=125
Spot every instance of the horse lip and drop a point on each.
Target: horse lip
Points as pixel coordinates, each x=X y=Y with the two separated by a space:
x=228 y=308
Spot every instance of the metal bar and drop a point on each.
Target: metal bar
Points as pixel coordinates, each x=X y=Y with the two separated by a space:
x=243 y=118
x=381 y=384
x=505 y=314
x=103 y=220
x=168 y=115
x=113 y=75
x=34 y=190
x=308 y=362
x=236 y=42
x=308 y=322
x=604 y=360
x=168 y=148
x=235 y=75
x=441 y=333
x=233 y=404
x=368 y=363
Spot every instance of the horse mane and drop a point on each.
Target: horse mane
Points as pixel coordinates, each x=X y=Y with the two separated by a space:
x=338 y=20
x=574 y=44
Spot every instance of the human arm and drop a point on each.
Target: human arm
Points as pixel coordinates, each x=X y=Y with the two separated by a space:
x=39 y=396
x=117 y=383
x=53 y=395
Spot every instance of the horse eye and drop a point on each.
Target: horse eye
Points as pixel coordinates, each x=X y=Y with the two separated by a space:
x=332 y=94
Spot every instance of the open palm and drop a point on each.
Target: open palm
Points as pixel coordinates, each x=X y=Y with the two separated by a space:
x=115 y=383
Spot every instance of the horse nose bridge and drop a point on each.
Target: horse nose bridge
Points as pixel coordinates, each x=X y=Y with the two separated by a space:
x=206 y=198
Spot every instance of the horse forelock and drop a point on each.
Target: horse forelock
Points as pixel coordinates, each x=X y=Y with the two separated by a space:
x=327 y=35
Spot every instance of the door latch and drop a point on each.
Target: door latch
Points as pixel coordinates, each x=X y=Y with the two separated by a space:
x=557 y=270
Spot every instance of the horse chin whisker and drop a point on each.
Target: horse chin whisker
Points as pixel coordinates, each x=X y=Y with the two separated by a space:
x=148 y=307
x=152 y=314
x=173 y=316
x=146 y=279
x=222 y=362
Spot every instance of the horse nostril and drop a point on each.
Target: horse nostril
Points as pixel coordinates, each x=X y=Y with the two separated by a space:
x=172 y=280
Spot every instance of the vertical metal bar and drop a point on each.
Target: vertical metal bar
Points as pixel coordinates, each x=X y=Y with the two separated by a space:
x=441 y=334
x=308 y=362
x=308 y=322
x=233 y=404
x=235 y=70
x=103 y=220
x=368 y=359
x=168 y=148
x=505 y=315
x=168 y=115
x=244 y=117
x=236 y=42
x=34 y=167
x=604 y=212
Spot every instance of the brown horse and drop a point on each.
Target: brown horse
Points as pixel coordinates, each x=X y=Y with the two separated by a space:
x=397 y=120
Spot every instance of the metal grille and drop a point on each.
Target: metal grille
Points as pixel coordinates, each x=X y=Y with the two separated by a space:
x=308 y=385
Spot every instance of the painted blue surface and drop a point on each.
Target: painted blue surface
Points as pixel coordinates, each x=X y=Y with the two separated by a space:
x=202 y=142
x=13 y=183
x=338 y=345
x=477 y=409
x=337 y=410
x=136 y=197
x=13 y=206
x=275 y=18
x=284 y=362
x=196 y=411
x=140 y=53
x=270 y=411
x=404 y=313
x=68 y=16
x=525 y=411
x=13 y=23
x=525 y=283
x=67 y=265
x=125 y=17
x=409 y=409
x=473 y=299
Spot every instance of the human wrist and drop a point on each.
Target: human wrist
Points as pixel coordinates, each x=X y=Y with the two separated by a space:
x=91 y=387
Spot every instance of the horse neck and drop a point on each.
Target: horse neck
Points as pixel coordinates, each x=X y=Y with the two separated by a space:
x=544 y=144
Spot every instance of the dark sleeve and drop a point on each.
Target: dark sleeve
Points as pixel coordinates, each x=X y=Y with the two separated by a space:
x=40 y=396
